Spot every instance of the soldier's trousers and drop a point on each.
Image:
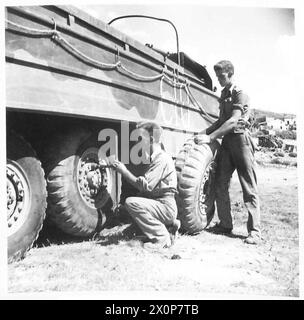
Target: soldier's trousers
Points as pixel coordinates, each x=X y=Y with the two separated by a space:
x=237 y=152
x=152 y=216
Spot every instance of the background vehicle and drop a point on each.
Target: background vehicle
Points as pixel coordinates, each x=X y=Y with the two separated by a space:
x=68 y=76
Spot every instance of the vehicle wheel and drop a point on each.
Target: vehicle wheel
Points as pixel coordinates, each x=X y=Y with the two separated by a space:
x=195 y=167
x=26 y=196
x=75 y=204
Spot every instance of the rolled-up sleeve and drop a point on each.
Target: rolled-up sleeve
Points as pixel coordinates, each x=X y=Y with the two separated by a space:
x=240 y=101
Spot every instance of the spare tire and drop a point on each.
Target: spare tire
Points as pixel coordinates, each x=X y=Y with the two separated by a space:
x=75 y=205
x=26 y=196
x=195 y=167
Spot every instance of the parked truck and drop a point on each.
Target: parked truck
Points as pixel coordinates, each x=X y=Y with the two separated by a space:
x=68 y=77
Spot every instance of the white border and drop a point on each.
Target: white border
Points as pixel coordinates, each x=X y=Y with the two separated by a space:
x=152 y=295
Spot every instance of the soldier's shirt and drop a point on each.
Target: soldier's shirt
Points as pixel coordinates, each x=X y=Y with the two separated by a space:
x=231 y=99
x=160 y=178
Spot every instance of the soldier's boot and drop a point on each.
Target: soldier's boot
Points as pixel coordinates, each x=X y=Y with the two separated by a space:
x=253 y=239
x=173 y=230
x=219 y=229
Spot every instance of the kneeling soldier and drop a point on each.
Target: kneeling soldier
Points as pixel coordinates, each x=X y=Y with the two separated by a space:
x=153 y=208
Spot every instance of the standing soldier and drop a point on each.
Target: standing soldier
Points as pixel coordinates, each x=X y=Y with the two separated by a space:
x=153 y=208
x=236 y=152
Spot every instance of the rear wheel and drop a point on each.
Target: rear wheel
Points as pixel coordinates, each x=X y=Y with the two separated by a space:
x=26 y=196
x=195 y=166
x=79 y=193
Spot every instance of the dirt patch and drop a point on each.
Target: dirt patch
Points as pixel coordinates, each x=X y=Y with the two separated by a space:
x=268 y=157
x=204 y=263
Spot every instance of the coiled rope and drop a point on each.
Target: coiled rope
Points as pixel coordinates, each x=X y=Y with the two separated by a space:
x=195 y=102
x=138 y=76
x=55 y=36
x=32 y=31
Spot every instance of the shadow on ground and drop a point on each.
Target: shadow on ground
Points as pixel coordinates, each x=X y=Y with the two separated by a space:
x=119 y=232
x=51 y=235
x=111 y=233
x=229 y=235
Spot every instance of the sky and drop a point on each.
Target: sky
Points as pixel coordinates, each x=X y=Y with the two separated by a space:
x=260 y=42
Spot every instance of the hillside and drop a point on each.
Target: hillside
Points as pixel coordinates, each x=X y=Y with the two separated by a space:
x=262 y=113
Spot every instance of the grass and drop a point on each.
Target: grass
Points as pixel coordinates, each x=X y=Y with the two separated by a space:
x=207 y=263
x=265 y=157
x=284 y=162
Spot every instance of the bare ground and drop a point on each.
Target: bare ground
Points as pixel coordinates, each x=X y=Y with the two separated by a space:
x=204 y=263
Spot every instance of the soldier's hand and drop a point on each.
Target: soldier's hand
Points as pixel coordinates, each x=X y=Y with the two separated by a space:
x=243 y=123
x=201 y=139
x=111 y=159
x=119 y=166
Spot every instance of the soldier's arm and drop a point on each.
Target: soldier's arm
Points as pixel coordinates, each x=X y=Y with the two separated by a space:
x=240 y=106
x=227 y=126
x=212 y=128
x=144 y=183
x=157 y=171
x=128 y=175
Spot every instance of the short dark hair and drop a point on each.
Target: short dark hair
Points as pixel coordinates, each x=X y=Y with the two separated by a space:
x=225 y=66
x=153 y=129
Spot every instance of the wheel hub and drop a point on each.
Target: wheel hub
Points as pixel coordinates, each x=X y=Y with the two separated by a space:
x=17 y=192
x=93 y=182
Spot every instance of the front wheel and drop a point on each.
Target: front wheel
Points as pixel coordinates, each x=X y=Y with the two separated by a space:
x=26 y=196
x=195 y=166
